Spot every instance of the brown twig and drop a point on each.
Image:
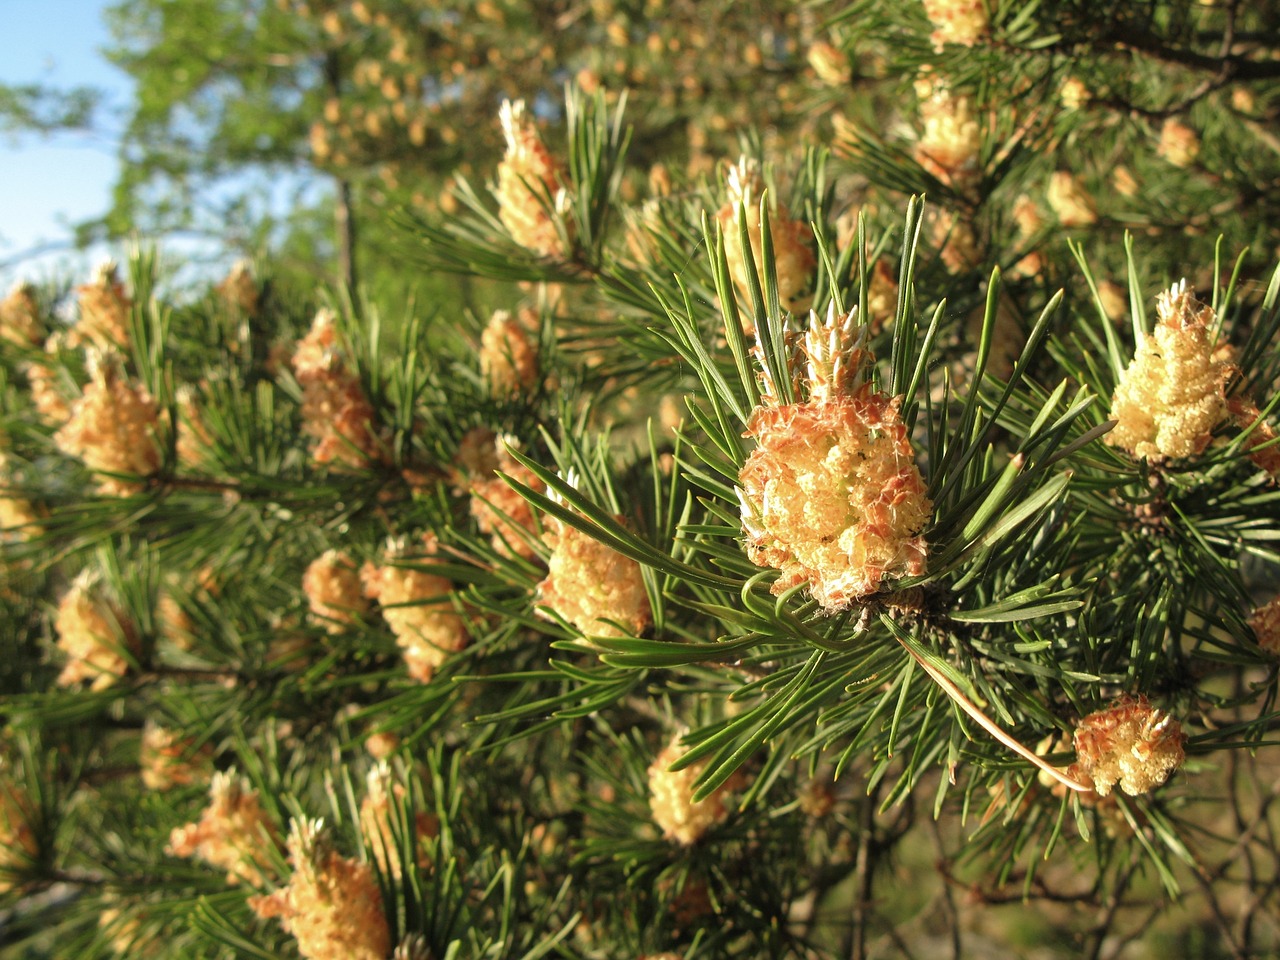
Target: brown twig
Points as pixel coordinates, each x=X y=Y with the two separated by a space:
x=864 y=876
x=969 y=707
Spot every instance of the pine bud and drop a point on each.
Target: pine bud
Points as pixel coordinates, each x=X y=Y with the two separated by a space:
x=1265 y=623
x=792 y=243
x=831 y=495
x=591 y=585
x=195 y=439
x=498 y=509
x=336 y=414
x=332 y=588
x=1172 y=395
x=46 y=392
x=20 y=316
x=167 y=760
x=380 y=820
x=113 y=428
x=381 y=744
x=1244 y=414
x=1123 y=181
x=331 y=21
x=1007 y=340
x=413 y=946
x=331 y=905
x=817 y=799
x=508 y=360
x=831 y=66
x=18 y=846
x=1114 y=299
x=416 y=606
x=417 y=127
x=1071 y=201
x=1029 y=221
x=1073 y=94
x=671 y=798
x=174 y=622
x=527 y=178
x=233 y=834
x=949 y=146
x=238 y=290
x=588 y=80
x=127 y=935
x=1179 y=144
x=318 y=141
x=476 y=458
x=95 y=636
x=18 y=518
x=104 y=310
x=1108 y=811
x=963 y=22
x=643 y=225
x=1132 y=743
x=290 y=652
x=882 y=296
x=957 y=242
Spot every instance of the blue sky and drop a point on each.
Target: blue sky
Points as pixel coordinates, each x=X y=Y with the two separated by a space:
x=47 y=183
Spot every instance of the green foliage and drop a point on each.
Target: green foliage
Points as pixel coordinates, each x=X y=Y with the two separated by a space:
x=484 y=578
x=30 y=108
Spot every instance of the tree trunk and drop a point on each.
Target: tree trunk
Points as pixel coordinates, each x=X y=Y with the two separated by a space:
x=345 y=224
x=344 y=220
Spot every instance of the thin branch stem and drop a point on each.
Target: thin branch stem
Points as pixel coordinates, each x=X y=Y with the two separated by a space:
x=969 y=707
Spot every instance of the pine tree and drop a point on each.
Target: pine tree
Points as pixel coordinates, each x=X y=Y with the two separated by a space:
x=803 y=553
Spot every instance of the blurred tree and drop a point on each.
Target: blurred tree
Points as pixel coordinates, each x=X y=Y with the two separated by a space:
x=33 y=108
x=385 y=98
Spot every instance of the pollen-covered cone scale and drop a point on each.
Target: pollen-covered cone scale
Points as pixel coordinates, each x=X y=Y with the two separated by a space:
x=44 y=382
x=527 y=177
x=1179 y=144
x=499 y=511
x=671 y=798
x=104 y=310
x=336 y=414
x=20 y=316
x=1258 y=445
x=508 y=357
x=1068 y=198
x=1173 y=393
x=832 y=496
x=233 y=834
x=331 y=905
x=19 y=518
x=591 y=585
x=1265 y=623
x=332 y=587
x=167 y=760
x=415 y=603
x=112 y=428
x=1132 y=743
x=96 y=637
x=962 y=22
x=951 y=140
